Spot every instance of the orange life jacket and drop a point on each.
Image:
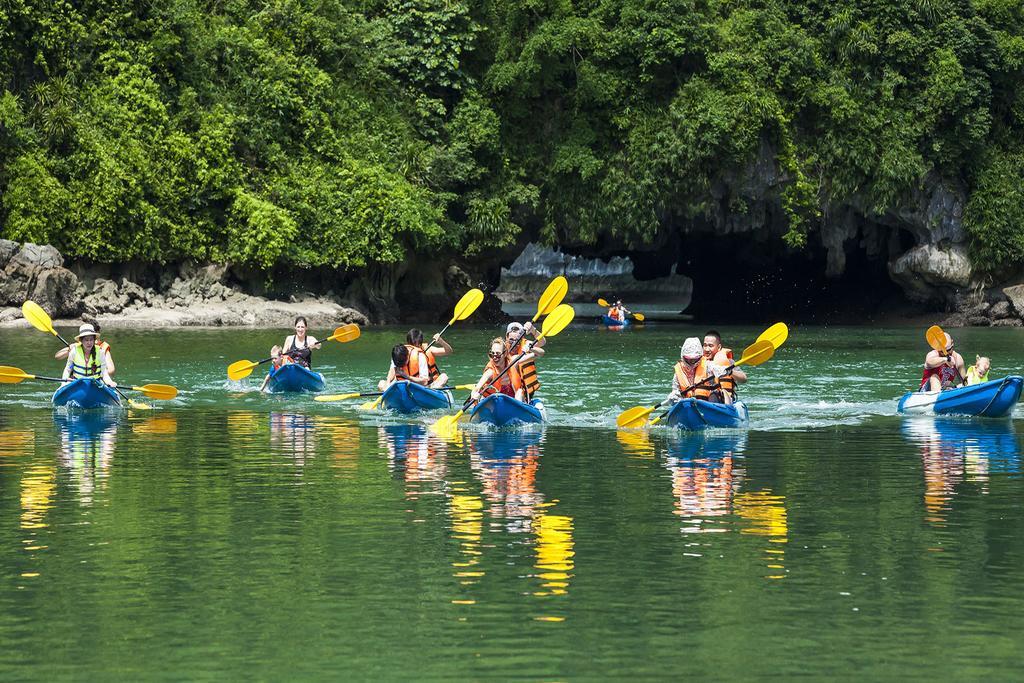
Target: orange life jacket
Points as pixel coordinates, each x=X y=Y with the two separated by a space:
x=527 y=368
x=412 y=366
x=727 y=382
x=615 y=313
x=512 y=379
x=700 y=373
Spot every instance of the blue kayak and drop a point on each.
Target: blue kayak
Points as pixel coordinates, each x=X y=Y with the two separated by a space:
x=612 y=322
x=86 y=393
x=694 y=414
x=409 y=397
x=500 y=410
x=294 y=377
x=995 y=398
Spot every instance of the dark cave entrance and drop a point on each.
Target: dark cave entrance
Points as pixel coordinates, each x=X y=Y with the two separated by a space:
x=743 y=278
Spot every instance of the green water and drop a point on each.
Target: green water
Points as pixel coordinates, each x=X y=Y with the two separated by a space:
x=235 y=535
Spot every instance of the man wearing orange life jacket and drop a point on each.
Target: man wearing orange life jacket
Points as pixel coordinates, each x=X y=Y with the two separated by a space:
x=437 y=348
x=722 y=358
x=407 y=363
x=509 y=383
x=516 y=344
x=693 y=370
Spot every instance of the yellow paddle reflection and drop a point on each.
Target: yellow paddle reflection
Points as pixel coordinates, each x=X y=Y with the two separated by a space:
x=38 y=485
x=765 y=515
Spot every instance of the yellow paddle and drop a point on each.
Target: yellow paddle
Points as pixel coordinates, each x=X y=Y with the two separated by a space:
x=755 y=354
x=777 y=334
x=936 y=338
x=556 y=321
x=552 y=296
x=241 y=369
x=636 y=416
x=603 y=304
x=10 y=375
x=34 y=313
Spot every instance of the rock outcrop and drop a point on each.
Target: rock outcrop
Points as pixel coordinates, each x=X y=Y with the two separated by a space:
x=37 y=272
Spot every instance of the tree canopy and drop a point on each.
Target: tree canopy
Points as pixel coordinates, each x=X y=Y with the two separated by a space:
x=341 y=133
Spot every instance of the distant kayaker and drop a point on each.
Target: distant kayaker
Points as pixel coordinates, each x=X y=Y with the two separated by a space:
x=102 y=346
x=694 y=369
x=86 y=359
x=298 y=348
x=511 y=383
x=437 y=348
x=516 y=344
x=722 y=358
x=978 y=373
x=618 y=311
x=942 y=370
x=409 y=363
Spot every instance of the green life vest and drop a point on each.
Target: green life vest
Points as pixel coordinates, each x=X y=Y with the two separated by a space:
x=86 y=367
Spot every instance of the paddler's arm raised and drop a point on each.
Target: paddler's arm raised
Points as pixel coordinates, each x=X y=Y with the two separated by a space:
x=439 y=347
x=485 y=379
x=536 y=349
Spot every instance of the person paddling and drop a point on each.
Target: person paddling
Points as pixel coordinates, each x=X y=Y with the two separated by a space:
x=511 y=383
x=722 y=358
x=693 y=368
x=103 y=346
x=86 y=359
x=411 y=363
x=516 y=344
x=298 y=348
x=942 y=370
x=437 y=348
x=618 y=312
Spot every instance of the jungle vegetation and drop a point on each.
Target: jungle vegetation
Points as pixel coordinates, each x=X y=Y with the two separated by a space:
x=348 y=132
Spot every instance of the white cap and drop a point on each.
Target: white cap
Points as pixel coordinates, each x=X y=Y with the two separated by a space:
x=514 y=327
x=85 y=330
x=691 y=348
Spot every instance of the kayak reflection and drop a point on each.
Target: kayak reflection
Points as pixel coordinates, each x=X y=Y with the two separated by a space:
x=87 y=447
x=953 y=451
x=707 y=478
x=415 y=455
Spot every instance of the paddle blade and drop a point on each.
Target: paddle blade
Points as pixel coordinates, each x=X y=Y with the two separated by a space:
x=371 y=405
x=757 y=353
x=138 y=405
x=640 y=316
x=558 y=320
x=346 y=333
x=465 y=387
x=603 y=303
x=469 y=302
x=777 y=334
x=335 y=397
x=34 y=313
x=447 y=425
x=552 y=296
x=634 y=417
x=9 y=375
x=240 y=369
x=936 y=338
x=161 y=392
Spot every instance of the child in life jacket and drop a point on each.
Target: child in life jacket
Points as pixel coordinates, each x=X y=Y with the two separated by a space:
x=978 y=373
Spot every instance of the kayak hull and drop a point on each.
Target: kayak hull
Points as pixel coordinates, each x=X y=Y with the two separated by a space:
x=501 y=410
x=692 y=414
x=86 y=393
x=292 y=377
x=995 y=398
x=612 y=322
x=409 y=397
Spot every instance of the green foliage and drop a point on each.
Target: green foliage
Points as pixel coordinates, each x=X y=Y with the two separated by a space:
x=323 y=133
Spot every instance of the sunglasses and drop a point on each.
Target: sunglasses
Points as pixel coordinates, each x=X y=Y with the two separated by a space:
x=495 y=355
